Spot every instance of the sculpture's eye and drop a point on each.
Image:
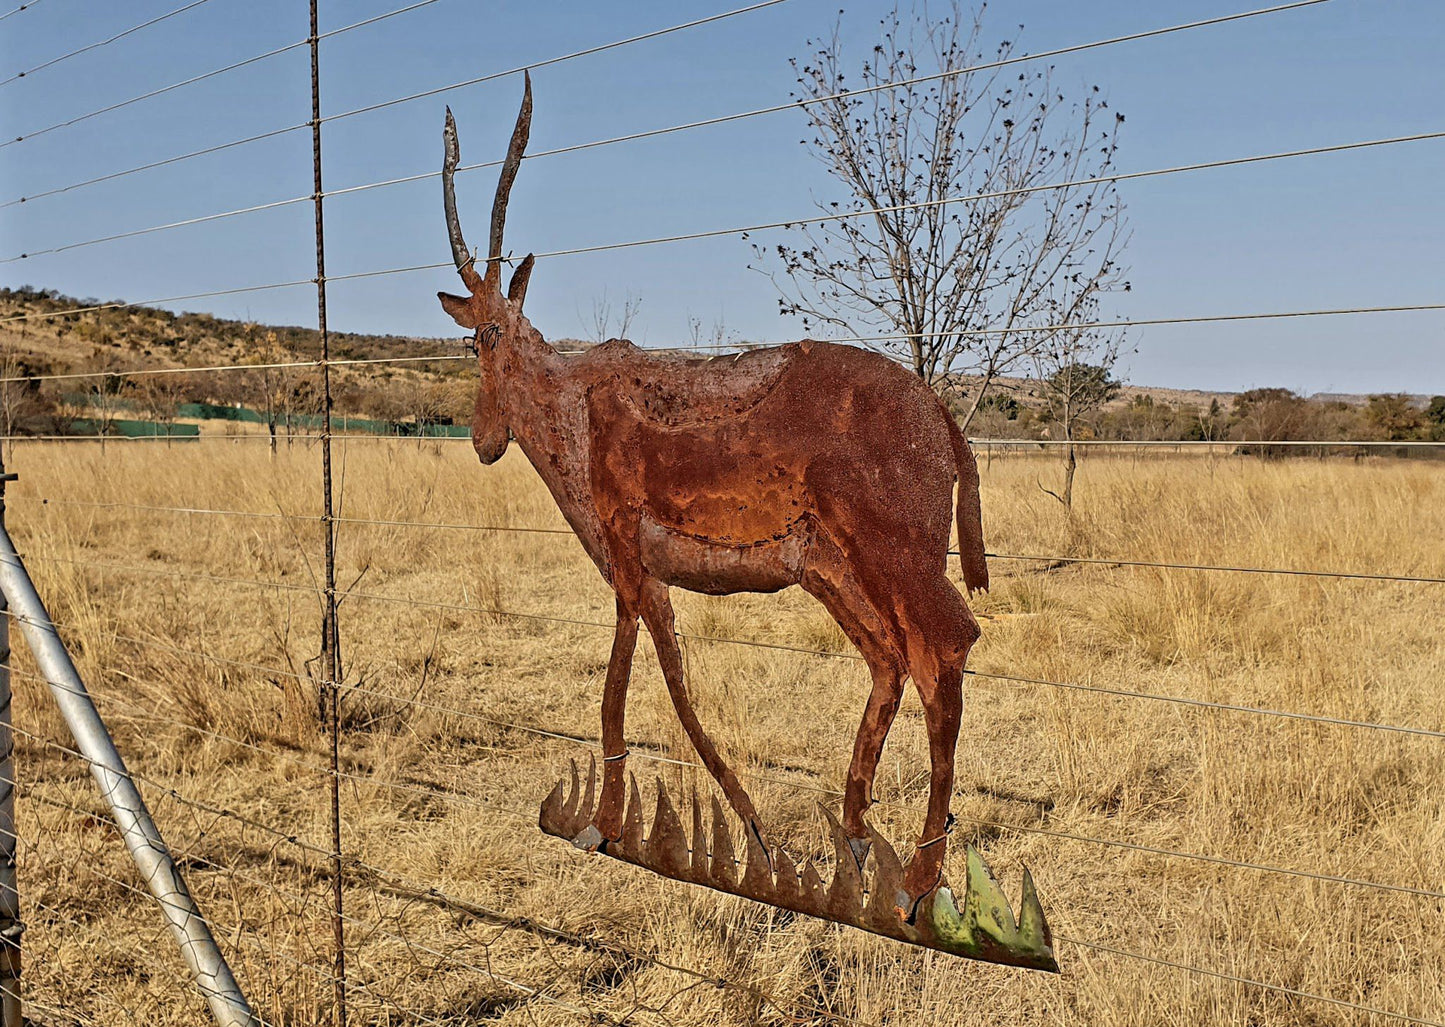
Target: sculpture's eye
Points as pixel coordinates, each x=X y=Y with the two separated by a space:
x=485 y=337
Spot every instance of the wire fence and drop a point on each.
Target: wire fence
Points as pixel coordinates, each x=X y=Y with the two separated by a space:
x=99 y=43
x=351 y=792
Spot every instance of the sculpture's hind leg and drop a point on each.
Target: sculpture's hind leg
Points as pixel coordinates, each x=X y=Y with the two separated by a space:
x=657 y=615
x=941 y=631
x=828 y=579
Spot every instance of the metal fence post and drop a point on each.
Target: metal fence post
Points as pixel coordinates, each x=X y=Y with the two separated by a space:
x=147 y=848
x=10 y=924
x=330 y=631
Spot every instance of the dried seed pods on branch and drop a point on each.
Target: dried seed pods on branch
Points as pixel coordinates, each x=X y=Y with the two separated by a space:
x=958 y=215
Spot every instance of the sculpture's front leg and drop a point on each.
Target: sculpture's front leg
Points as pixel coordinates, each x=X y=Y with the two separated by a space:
x=606 y=824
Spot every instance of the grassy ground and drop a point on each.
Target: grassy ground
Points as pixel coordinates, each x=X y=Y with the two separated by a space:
x=208 y=683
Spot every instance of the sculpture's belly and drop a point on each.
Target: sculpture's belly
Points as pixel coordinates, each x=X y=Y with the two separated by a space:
x=714 y=568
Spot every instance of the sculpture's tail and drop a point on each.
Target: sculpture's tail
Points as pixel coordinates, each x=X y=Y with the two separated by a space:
x=970 y=513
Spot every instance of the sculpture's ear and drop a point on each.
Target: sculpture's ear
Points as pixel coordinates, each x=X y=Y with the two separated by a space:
x=459 y=307
x=517 y=291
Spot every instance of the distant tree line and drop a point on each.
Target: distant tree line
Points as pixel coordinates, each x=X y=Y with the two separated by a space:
x=1068 y=397
x=1036 y=410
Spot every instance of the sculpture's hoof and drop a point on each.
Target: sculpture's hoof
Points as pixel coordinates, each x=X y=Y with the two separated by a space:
x=860 y=848
x=590 y=840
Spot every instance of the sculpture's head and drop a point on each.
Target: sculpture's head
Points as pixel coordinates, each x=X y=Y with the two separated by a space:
x=493 y=316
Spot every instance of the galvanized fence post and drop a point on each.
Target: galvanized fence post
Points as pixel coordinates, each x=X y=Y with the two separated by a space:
x=10 y=923
x=147 y=848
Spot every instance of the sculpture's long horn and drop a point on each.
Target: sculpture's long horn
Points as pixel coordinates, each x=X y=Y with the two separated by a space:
x=460 y=253
x=504 y=183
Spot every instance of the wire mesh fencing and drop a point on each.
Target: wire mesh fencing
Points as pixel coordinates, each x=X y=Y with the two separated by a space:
x=443 y=756
x=344 y=669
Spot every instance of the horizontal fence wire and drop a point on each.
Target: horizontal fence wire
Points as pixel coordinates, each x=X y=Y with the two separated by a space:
x=1142 y=322
x=572 y=55
x=676 y=128
x=529 y=924
x=373 y=929
x=476 y=910
x=1059 y=559
x=805 y=102
x=127 y=886
x=689 y=348
x=151 y=165
x=349 y=594
x=649 y=751
x=235 y=931
x=194 y=80
x=1249 y=982
x=746 y=231
x=402 y=436
x=17 y=10
x=1123 y=953
x=279 y=365
x=1123 y=176
x=296 y=759
x=650 y=133
x=1216 y=443
x=209 y=294
x=1105 y=561
x=271 y=886
x=97 y=45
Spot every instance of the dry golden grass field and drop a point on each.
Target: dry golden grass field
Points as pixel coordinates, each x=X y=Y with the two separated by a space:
x=198 y=635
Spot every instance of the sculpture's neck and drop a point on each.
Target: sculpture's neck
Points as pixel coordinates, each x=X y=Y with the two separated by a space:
x=546 y=413
x=529 y=368
x=532 y=375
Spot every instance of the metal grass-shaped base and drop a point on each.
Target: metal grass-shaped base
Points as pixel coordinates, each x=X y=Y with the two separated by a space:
x=984 y=928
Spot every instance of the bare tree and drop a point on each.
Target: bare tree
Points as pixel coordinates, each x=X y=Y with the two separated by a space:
x=160 y=396
x=1075 y=369
x=716 y=337
x=956 y=238
x=272 y=384
x=1211 y=421
x=604 y=315
x=424 y=401
x=20 y=401
x=303 y=406
x=105 y=396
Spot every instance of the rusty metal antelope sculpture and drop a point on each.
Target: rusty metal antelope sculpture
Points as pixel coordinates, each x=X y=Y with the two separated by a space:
x=809 y=464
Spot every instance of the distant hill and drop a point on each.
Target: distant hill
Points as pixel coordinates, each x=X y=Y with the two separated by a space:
x=44 y=333
x=63 y=336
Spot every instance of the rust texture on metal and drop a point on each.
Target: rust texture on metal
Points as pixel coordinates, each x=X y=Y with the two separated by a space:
x=810 y=464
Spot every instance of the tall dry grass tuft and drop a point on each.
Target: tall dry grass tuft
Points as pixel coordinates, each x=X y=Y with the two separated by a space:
x=209 y=685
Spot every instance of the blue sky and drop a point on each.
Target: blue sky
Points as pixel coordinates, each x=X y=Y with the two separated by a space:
x=1354 y=229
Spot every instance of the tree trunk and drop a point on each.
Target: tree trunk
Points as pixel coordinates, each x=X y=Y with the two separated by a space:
x=1070 y=463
